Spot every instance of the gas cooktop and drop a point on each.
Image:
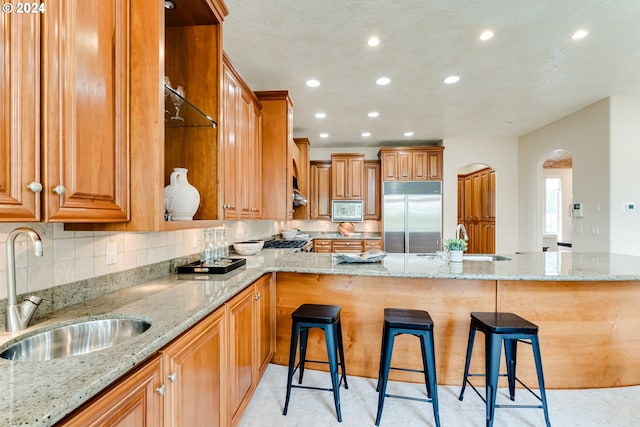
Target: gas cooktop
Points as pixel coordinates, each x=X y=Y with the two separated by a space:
x=284 y=244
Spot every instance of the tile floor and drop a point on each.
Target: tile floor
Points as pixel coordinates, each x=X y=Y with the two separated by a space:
x=618 y=407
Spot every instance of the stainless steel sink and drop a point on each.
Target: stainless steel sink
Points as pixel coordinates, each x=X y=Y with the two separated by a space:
x=482 y=257
x=74 y=339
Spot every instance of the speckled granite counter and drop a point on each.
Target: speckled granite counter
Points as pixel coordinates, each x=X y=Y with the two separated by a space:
x=41 y=393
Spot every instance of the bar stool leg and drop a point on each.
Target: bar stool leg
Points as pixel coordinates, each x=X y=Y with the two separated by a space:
x=430 y=367
x=543 y=395
x=385 y=363
x=493 y=348
x=472 y=334
x=341 y=352
x=382 y=348
x=427 y=373
x=304 y=335
x=292 y=362
x=510 y=352
x=330 y=333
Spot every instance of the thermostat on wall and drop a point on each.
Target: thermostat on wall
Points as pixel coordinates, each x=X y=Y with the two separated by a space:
x=629 y=207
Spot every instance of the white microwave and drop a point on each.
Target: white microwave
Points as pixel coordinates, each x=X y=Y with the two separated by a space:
x=347 y=210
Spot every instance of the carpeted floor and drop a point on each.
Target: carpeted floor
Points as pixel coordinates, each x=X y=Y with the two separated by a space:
x=618 y=407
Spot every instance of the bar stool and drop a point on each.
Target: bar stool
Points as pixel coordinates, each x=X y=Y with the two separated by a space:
x=327 y=318
x=399 y=321
x=510 y=328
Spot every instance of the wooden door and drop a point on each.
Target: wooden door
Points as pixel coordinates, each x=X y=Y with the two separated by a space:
x=389 y=163
x=255 y=173
x=404 y=166
x=339 y=178
x=265 y=302
x=492 y=194
x=322 y=245
x=434 y=165
x=194 y=373
x=485 y=197
x=20 y=117
x=320 y=198
x=355 y=184
x=133 y=402
x=240 y=315
x=230 y=144
x=85 y=113
x=372 y=194
x=419 y=166
x=243 y=169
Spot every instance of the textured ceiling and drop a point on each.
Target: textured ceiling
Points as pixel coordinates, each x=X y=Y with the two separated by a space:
x=531 y=73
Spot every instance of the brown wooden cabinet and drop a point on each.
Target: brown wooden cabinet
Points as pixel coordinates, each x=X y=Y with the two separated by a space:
x=195 y=365
x=277 y=158
x=373 y=244
x=347 y=177
x=133 y=402
x=322 y=245
x=240 y=148
x=75 y=127
x=251 y=317
x=372 y=194
x=476 y=209
x=411 y=163
x=320 y=193
x=301 y=171
x=347 y=245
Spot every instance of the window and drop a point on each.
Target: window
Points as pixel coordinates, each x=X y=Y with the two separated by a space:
x=553 y=206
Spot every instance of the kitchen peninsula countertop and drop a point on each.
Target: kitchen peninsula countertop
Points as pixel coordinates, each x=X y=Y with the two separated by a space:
x=42 y=393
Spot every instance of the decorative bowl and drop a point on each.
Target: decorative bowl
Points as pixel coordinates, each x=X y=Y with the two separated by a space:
x=289 y=234
x=249 y=247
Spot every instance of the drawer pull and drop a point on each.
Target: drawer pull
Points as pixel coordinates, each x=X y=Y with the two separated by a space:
x=161 y=389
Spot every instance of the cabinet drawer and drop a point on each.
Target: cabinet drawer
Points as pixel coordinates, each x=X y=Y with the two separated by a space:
x=373 y=244
x=320 y=245
x=347 y=245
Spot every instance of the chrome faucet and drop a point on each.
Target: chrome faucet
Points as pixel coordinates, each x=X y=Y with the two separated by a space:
x=19 y=315
x=461 y=230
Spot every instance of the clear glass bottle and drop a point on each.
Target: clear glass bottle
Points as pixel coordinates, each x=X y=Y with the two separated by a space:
x=224 y=243
x=209 y=251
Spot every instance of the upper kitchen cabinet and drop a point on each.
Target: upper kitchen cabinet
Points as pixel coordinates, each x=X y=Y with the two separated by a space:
x=347 y=177
x=73 y=127
x=277 y=154
x=240 y=147
x=320 y=191
x=301 y=176
x=411 y=163
x=185 y=45
x=372 y=195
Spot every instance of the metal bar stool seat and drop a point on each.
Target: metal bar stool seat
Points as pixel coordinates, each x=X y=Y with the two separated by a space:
x=327 y=318
x=418 y=323
x=499 y=327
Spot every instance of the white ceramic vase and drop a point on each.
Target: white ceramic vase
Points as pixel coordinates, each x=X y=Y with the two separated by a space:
x=186 y=198
x=455 y=256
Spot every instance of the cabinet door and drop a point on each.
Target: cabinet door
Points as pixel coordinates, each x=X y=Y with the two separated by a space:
x=85 y=110
x=320 y=198
x=241 y=351
x=419 y=166
x=194 y=370
x=321 y=245
x=356 y=186
x=434 y=165
x=347 y=245
x=373 y=244
x=255 y=172
x=265 y=302
x=19 y=116
x=243 y=169
x=389 y=162
x=372 y=190
x=485 y=197
x=404 y=166
x=492 y=194
x=230 y=145
x=339 y=179
x=133 y=402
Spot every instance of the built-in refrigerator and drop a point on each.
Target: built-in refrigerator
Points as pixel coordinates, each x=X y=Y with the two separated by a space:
x=412 y=216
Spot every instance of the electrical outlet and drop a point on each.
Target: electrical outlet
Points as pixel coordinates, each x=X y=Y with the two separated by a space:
x=111 y=253
x=194 y=240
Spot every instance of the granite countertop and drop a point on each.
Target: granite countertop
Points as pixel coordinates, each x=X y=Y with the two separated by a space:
x=41 y=393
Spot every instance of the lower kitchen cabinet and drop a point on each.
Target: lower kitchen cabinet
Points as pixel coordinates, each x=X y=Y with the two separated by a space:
x=321 y=245
x=133 y=402
x=346 y=245
x=205 y=377
x=251 y=316
x=194 y=365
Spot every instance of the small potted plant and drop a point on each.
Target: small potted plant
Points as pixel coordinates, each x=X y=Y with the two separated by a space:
x=455 y=248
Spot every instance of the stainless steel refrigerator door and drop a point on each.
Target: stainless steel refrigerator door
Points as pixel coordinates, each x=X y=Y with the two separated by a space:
x=424 y=223
x=394 y=213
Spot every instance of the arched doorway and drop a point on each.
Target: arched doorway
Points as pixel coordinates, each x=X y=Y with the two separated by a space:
x=477 y=206
x=557 y=175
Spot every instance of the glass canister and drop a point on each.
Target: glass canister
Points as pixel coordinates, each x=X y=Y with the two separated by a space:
x=210 y=252
x=224 y=243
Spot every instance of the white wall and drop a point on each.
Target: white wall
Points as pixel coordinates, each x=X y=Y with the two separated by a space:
x=625 y=156
x=585 y=134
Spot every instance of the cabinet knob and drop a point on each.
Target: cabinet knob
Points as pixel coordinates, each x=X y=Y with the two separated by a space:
x=35 y=186
x=161 y=389
x=172 y=377
x=59 y=189
x=257 y=297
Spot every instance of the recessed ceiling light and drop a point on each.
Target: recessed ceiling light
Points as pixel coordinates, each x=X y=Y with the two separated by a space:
x=321 y=115
x=383 y=81
x=580 y=34
x=373 y=114
x=486 y=35
x=373 y=41
x=408 y=134
x=324 y=135
x=508 y=123
x=451 y=79
x=313 y=83
x=366 y=134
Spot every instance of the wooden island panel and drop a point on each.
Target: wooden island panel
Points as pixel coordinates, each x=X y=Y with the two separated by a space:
x=362 y=301
x=589 y=331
